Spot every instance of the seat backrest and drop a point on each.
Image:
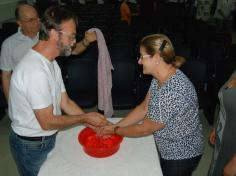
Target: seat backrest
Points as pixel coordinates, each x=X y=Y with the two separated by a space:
x=81 y=82
x=121 y=51
x=81 y=75
x=124 y=84
x=124 y=76
x=122 y=38
x=90 y=53
x=196 y=71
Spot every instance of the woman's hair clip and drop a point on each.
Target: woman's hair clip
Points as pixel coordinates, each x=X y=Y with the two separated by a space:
x=163 y=45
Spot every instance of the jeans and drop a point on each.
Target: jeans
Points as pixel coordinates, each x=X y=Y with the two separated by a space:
x=30 y=155
x=183 y=167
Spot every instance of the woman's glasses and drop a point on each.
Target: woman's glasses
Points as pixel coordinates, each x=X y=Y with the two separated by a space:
x=144 y=56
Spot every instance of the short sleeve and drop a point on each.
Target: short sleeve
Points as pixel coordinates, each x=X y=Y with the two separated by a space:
x=6 y=57
x=63 y=89
x=58 y=72
x=39 y=91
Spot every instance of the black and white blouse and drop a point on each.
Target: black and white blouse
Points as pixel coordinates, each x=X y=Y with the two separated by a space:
x=175 y=104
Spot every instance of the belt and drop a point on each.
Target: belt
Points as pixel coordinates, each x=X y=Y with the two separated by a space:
x=37 y=138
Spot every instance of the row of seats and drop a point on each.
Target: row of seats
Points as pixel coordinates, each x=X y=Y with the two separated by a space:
x=80 y=77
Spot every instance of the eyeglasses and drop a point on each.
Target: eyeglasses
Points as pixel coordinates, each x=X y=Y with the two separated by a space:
x=143 y=56
x=69 y=35
x=30 y=20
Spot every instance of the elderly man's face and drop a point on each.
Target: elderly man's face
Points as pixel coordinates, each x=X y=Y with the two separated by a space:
x=67 y=37
x=28 y=20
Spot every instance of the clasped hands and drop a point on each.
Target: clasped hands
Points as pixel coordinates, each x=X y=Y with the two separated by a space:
x=106 y=130
x=100 y=124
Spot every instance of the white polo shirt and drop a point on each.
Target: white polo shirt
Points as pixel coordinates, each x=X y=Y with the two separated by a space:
x=36 y=83
x=14 y=48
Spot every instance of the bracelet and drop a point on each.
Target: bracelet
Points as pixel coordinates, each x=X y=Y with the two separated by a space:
x=115 y=129
x=84 y=43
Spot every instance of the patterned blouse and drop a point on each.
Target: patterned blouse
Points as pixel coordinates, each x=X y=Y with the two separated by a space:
x=175 y=104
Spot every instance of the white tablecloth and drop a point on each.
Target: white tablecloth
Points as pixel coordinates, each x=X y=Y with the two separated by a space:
x=136 y=157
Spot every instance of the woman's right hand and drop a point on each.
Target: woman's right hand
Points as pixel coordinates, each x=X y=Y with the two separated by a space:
x=212 y=137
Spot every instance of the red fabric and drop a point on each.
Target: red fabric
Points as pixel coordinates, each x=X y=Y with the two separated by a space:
x=125 y=12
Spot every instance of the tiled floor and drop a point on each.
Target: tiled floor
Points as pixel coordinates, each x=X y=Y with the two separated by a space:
x=8 y=168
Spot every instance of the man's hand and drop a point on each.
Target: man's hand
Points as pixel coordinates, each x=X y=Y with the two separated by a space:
x=106 y=130
x=212 y=137
x=90 y=37
x=95 y=119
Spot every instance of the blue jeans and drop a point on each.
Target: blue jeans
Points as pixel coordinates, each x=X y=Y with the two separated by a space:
x=30 y=155
x=183 y=167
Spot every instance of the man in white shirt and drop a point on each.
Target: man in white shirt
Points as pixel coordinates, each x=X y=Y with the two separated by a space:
x=37 y=94
x=15 y=46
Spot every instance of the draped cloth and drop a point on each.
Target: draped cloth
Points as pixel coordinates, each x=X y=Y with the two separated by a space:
x=104 y=75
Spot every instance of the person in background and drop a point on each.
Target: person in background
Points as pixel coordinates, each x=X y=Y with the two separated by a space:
x=224 y=15
x=230 y=168
x=222 y=136
x=125 y=13
x=84 y=1
x=38 y=96
x=203 y=9
x=169 y=110
x=17 y=45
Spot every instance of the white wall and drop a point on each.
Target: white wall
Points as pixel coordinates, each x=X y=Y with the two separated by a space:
x=7 y=9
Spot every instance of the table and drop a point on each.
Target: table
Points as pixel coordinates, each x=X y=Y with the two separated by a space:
x=136 y=157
